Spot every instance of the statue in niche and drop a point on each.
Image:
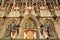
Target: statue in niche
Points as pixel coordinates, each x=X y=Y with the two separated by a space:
x=12 y=31
x=7 y=34
x=41 y=29
x=49 y=30
x=30 y=24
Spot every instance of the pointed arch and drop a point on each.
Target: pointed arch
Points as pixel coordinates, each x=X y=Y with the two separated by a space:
x=48 y=20
x=24 y=21
x=6 y=25
x=30 y=17
x=49 y=25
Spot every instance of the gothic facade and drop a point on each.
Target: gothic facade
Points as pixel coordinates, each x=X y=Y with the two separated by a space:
x=29 y=19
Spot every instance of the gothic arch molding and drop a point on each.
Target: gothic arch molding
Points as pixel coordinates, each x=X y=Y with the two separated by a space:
x=49 y=21
x=51 y=28
x=6 y=25
x=27 y=18
x=23 y=23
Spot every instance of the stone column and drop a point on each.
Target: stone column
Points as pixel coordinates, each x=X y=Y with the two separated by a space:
x=57 y=27
x=44 y=2
x=2 y=2
x=57 y=2
x=19 y=35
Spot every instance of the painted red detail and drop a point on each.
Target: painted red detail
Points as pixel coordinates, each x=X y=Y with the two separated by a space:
x=13 y=33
